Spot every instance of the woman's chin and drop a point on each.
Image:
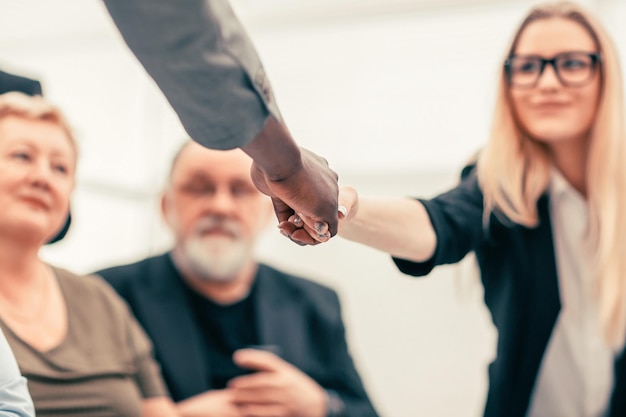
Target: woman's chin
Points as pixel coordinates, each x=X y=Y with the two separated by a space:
x=549 y=135
x=28 y=230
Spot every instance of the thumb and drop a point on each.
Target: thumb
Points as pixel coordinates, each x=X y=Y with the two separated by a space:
x=258 y=360
x=348 y=202
x=258 y=178
x=282 y=210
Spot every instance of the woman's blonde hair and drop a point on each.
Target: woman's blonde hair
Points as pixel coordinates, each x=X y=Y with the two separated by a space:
x=34 y=108
x=514 y=171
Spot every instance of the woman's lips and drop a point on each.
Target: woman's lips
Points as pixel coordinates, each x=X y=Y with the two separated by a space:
x=36 y=202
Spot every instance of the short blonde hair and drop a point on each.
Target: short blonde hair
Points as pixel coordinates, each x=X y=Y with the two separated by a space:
x=514 y=171
x=35 y=108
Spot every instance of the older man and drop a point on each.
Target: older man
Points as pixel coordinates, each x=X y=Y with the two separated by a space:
x=235 y=337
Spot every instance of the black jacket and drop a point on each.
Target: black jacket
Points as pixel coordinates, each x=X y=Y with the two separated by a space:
x=10 y=82
x=301 y=317
x=519 y=275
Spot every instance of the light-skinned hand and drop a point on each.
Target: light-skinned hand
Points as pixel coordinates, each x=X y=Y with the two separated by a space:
x=218 y=403
x=277 y=389
x=297 y=226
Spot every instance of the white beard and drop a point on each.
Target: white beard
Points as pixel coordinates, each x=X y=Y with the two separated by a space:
x=216 y=258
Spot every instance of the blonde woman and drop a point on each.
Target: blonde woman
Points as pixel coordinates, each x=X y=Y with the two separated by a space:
x=544 y=209
x=74 y=340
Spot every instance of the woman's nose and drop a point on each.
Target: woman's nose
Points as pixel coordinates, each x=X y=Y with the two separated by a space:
x=40 y=174
x=549 y=78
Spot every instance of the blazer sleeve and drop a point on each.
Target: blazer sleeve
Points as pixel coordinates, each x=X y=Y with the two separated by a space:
x=35 y=88
x=12 y=82
x=345 y=380
x=15 y=400
x=457 y=217
x=201 y=58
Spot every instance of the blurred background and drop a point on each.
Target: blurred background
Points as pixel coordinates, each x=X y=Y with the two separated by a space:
x=396 y=94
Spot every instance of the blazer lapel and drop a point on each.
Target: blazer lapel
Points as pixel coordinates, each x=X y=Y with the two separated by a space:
x=281 y=320
x=543 y=304
x=172 y=326
x=543 y=309
x=618 y=398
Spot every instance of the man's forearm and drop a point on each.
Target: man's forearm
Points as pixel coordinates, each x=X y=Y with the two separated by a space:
x=274 y=151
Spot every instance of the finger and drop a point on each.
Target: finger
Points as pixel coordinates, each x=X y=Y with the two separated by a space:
x=296 y=220
x=343 y=212
x=302 y=233
x=300 y=220
x=256 y=381
x=288 y=230
x=323 y=226
x=330 y=223
x=282 y=210
x=256 y=395
x=348 y=200
x=304 y=237
x=258 y=360
x=255 y=410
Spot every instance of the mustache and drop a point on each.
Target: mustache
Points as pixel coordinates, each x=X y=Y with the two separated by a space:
x=209 y=224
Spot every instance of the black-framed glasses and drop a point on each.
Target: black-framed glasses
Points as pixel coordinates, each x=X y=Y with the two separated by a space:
x=573 y=69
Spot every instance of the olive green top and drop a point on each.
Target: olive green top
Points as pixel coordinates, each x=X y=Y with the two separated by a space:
x=103 y=367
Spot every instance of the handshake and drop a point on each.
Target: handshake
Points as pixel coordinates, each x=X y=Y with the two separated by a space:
x=303 y=188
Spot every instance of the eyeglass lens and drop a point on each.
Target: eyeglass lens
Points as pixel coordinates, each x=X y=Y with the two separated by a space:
x=572 y=69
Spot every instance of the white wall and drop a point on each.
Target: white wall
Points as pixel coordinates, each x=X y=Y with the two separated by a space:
x=397 y=94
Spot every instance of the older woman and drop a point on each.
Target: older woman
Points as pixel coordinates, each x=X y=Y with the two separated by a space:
x=74 y=340
x=544 y=210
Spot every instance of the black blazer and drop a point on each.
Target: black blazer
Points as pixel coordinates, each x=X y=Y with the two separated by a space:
x=10 y=82
x=302 y=317
x=519 y=275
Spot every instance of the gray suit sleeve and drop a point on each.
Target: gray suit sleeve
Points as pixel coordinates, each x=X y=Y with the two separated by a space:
x=15 y=400
x=202 y=59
